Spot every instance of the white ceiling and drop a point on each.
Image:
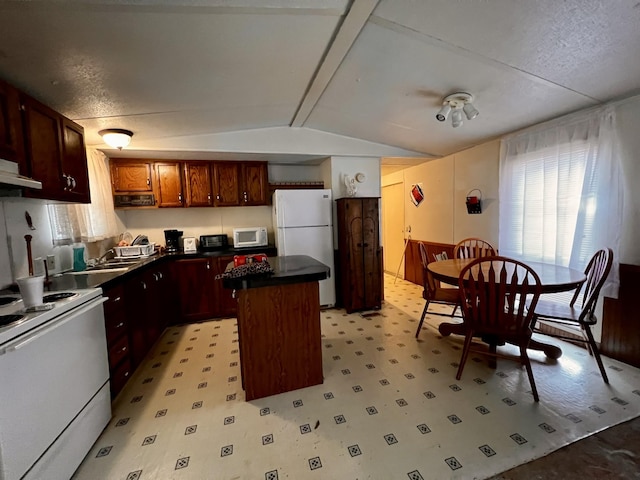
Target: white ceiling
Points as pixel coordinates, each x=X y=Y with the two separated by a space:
x=298 y=80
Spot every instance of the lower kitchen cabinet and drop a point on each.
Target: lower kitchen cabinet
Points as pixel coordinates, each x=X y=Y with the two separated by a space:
x=201 y=295
x=117 y=330
x=149 y=303
x=227 y=303
x=196 y=284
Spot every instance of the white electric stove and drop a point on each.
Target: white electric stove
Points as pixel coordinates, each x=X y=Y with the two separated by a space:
x=54 y=378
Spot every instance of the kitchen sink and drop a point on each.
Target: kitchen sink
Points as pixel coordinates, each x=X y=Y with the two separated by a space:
x=101 y=269
x=110 y=266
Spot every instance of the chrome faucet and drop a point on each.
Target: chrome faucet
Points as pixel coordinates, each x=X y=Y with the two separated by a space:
x=102 y=258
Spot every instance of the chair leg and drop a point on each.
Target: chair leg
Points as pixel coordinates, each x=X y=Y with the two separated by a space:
x=424 y=314
x=527 y=363
x=595 y=352
x=455 y=309
x=465 y=353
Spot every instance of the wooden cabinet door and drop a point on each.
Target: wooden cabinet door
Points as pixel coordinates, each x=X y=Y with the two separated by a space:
x=371 y=260
x=11 y=136
x=131 y=176
x=198 y=184
x=359 y=253
x=226 y=304
x=44 y=147
x=137 y=289
x=194 y=279
x=74 y=162
x=226 y=184
x=256 y=183
x=169 y=184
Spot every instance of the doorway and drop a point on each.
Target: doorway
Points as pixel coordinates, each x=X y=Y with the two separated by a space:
x=393 y=228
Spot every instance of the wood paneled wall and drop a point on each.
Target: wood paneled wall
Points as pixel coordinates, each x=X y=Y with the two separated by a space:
x=412 y=262
x=621 y=323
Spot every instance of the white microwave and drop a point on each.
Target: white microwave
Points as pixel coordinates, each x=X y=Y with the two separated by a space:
x=250 y=237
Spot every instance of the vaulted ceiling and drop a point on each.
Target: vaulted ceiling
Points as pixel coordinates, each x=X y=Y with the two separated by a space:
x=297 y=80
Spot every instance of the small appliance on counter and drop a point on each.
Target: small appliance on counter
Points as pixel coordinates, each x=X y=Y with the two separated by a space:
x=250 y=237
x=172 y=240
x=189 y=245
x=210 y=243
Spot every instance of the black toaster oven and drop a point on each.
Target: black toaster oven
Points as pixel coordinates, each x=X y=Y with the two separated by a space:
x=209 y=243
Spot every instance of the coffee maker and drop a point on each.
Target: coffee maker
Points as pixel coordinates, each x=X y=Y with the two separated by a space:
x=172 y=240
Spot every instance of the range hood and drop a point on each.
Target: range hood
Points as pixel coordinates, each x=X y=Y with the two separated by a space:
x=9 y=177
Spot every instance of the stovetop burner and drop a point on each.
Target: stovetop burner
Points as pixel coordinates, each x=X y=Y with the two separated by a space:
x=9 y=319
x=8 y=300
x=52 y=297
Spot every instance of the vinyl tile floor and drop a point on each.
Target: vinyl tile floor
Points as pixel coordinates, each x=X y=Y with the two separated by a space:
x=389 y=408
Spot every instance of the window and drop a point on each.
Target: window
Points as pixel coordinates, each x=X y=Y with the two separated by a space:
x=560 y=197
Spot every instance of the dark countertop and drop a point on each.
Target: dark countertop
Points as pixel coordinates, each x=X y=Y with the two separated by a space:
x=100 y=279
x=287 y=270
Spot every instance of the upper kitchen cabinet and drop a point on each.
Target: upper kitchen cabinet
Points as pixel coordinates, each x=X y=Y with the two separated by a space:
x=169 y=179
x=198 y=184
x=131 y=176
x=11 y=137
x=226 y=184
x=55 y=153
x=255 y=180
x=240 y=183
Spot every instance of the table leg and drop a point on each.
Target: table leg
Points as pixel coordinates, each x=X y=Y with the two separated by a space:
x=549 y=350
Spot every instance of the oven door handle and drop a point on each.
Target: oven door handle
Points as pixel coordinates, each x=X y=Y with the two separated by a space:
x=47 y=327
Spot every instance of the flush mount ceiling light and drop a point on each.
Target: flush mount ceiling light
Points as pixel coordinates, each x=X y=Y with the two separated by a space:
x=116 y=137
x=457 y=103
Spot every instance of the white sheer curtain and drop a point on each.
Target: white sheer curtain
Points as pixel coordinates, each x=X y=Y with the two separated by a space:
x=561 y=192
x=87 y=222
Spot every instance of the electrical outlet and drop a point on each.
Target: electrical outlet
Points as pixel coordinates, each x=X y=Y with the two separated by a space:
x=51 y=262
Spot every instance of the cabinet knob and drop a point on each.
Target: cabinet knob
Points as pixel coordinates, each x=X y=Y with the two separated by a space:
x=126 y=374
x=117 y=299
x=120 y=325
x=218 y=197
x=209 y=197
x=73 y=183
x=160 y=275
x=143 y=285
x=179 y=198
x=148 y=182
x=208 y=266
x=246 y=198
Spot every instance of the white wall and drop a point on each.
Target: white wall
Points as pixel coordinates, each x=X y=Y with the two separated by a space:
x=194 y=221
x=295 y=173
x=442 y=216
x=477 y=168
x=13 y=246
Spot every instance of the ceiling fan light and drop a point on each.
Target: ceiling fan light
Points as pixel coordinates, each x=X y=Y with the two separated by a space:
x=456 y=118
x=116 y=137
x=442 y=115
x=470 y=111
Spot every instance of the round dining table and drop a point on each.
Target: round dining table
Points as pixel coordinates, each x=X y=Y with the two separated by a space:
x=553 y=279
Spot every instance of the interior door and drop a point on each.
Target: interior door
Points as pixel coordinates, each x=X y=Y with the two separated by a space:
x=393 y=228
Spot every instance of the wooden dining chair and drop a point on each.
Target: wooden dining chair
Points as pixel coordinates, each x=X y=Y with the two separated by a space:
x=579 y=313
x=433 y=292
x=473 y=248
x=494 y=294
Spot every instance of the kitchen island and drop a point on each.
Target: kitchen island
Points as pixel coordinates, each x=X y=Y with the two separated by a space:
x=279 y=326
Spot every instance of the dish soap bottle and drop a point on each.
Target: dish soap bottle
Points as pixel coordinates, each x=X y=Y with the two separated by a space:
x=79 y=263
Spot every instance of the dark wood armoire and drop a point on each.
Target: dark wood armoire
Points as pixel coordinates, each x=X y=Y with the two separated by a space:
x=359 y=253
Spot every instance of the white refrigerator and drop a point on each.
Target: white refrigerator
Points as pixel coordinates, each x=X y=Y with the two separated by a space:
x=302 y=221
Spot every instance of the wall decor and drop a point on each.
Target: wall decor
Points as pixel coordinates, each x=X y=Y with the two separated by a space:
x=416 y=194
